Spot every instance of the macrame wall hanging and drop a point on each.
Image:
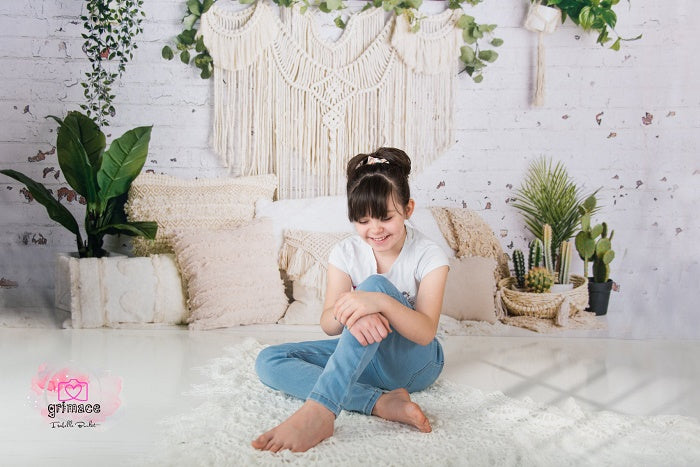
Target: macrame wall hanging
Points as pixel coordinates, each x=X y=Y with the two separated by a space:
x=542 y=20
x=291 y=103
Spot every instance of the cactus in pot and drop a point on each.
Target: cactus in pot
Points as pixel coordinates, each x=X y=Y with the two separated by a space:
x=519 y=266
x=564 y=262
x=547 y=247
x=535 y=257
x=538 y=280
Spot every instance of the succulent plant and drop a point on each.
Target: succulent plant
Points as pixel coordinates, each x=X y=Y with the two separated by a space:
x=538 y=280
x=535 y=257
x=590 y=247
x=564 y=262
x=547 y=244
x=519 y=266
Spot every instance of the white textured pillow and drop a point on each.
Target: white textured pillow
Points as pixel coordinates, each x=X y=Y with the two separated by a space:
x=306 y=307
x=231 y=276
x=177 y=204
x=304 y=256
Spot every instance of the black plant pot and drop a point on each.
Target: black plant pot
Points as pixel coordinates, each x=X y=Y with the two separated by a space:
x=599 y=296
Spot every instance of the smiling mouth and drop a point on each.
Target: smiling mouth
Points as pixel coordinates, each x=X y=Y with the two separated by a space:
x=379 y=239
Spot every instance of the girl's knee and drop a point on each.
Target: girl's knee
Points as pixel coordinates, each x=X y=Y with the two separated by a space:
x=264 y=363
x=376 y=283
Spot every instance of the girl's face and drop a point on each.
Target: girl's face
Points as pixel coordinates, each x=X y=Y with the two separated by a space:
x=386 y=234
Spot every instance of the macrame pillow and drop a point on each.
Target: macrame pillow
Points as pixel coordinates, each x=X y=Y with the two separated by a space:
x=470 y=289
x=304 y=256
x=204 y=204
x=468 y=235
x=306 y=307
x=231 y=276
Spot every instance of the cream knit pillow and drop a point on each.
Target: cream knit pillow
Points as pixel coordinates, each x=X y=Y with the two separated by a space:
x=178 y=204
x=231 y=276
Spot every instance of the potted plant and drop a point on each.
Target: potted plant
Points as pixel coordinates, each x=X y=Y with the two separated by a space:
x=102 y=177
x=539 y=253
x=595 y=246
x=590 y=15
x=549 y=195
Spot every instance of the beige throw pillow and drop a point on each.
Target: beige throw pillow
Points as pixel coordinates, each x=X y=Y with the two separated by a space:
x=470 y=289
x=178 y=204
x=231 y=276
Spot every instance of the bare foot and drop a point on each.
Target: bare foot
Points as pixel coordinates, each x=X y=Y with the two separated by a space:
x=307 y=427
x=397 y=406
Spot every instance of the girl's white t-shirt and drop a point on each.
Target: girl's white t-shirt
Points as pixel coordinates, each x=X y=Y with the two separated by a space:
x=419 y=256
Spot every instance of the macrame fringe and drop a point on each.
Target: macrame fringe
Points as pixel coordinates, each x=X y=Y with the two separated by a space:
x=290 y=103
x=562 y=318
x=434 y=48
x=303 y=268
x=539 y=80
x=235 y=39
x=500 y=309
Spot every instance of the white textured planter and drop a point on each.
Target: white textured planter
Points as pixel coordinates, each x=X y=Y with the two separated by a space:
x=120 y=290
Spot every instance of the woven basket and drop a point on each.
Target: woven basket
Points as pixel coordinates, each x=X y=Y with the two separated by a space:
x=543 y=305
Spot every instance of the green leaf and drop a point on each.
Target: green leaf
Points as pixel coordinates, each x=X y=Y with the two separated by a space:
x=586 y=18
x=464 y=21
x=496 y=42
x=187 y=37
x=188 y=21
x=488 y=55
x=206 y=5
x=147 y=229
x=616 y=44
x=339 y=22
x=89 y=135
x=199 y=46
x=122 y=162
x=206 y=73
x=185 y=56
x=596 y=231
x=478 y=78
x=194 y=7
x=467 y=54
x=56 y=210
x=74 y=162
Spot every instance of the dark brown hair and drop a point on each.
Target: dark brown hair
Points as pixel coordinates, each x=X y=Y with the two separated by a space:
x=371 y=183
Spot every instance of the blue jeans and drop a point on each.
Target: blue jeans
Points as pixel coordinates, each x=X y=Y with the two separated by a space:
x=343 y=374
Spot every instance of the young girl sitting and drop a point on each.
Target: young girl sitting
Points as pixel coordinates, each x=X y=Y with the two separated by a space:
x=383 y=297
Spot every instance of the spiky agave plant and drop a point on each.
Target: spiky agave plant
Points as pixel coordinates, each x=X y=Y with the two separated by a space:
x=548 y=195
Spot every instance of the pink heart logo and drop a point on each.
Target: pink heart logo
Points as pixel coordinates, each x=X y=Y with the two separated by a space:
x=73 y=390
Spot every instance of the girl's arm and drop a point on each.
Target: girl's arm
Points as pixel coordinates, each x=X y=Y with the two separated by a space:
x=338 y=283
x=419 y=326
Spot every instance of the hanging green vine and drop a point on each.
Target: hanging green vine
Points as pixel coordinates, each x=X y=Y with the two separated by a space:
x=111 y=26
x=473 y=56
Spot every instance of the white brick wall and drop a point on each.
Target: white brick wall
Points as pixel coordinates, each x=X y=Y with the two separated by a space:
x=649 y=174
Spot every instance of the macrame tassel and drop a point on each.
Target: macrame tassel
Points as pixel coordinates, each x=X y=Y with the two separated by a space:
x=500 y=309
x=434 y=48
x=235 y=39
x=562 y=318
x=539 y=81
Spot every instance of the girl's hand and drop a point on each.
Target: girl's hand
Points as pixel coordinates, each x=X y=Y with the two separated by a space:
x=351 y=306
x=370 y=329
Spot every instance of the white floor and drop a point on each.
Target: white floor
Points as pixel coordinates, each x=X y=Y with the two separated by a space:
x=642 y=377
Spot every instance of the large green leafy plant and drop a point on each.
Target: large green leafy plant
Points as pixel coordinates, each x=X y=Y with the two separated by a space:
x=595 y=15
x=548 y=195
x=102 y=177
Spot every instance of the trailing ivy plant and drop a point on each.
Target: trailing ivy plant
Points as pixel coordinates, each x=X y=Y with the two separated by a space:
x=110 y=29
x=596 y=15
x=473 y=55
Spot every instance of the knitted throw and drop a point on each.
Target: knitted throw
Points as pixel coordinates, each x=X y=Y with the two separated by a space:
x=291 y=103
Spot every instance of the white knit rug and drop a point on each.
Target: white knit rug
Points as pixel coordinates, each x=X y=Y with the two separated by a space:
x=469 y=428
